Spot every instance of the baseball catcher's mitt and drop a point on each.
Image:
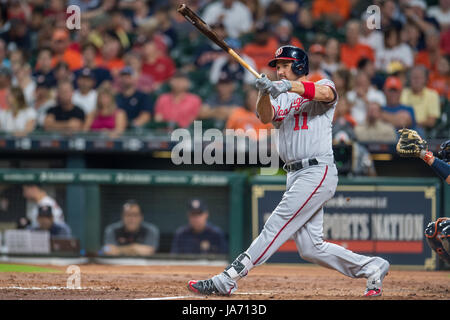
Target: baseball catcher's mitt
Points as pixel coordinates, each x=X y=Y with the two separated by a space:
x=410 y=143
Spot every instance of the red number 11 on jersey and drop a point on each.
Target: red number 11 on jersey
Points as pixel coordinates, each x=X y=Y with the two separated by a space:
x=305 y=120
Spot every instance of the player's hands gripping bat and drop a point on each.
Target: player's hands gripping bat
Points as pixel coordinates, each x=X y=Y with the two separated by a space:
x=204 y=28
x=263 y=84
x=410 y=143
x=279 y=87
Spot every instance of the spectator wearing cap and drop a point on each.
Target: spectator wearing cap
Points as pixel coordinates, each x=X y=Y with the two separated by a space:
x=331 y=61
x=226 y=64
x=44 y=67
x=86 y=95
x=335 y=11
x=106 y=117
x=62 y=52
x=393 y=50
x=156 y=64
x=425 y=101
x=20 y=118
x=199 y=236
x=144 y=82
x=179 y=105
x=363 y=92
x=235 y=15
x=43 y=100
x=352 y=50
x=5 y=85
x=101 y=74
x=316 y=56
x=45 y=221
x=395 y=113
x=219 y=105
x=65 y=117
x=38 y=197
x=136 y=104
x=131 y=236
x=245 y=118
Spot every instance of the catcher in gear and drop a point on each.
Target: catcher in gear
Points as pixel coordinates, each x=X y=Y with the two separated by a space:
x=411 y=144
x=437 y=234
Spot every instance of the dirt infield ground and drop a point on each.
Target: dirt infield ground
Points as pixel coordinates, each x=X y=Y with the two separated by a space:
x=265 y=282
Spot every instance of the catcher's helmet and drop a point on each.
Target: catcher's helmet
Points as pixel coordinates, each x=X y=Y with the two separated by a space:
x=299 y=58
x=444 y=152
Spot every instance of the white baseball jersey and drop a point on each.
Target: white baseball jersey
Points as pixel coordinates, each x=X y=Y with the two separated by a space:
x=304 y=125
x=304 y=133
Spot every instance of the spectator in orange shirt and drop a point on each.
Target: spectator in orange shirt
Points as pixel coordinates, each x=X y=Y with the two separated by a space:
x=62 y=52
x=316 y=55
x=111 y=55
x=245 y=117
x=336 y=11
x=429 y=57
x=352 y=50
x=440 y=80
x=263 y=46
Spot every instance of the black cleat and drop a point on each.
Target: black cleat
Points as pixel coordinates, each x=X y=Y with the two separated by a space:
x=206 y=287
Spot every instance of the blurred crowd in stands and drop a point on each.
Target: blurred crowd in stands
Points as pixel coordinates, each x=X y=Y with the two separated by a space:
x=139 y=64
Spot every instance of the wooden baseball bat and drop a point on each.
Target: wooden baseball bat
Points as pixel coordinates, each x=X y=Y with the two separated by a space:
x=204 y=28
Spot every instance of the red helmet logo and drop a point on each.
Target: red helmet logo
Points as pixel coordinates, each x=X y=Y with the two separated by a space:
x=279 y=51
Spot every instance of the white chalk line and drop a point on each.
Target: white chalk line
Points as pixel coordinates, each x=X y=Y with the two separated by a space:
x=171 y=298
x=203 y=297
x=52 y=288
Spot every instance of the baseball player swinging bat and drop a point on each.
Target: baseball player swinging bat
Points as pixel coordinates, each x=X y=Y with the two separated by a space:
x=204 y=28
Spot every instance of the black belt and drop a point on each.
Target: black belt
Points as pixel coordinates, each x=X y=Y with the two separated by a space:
x=299 y=165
